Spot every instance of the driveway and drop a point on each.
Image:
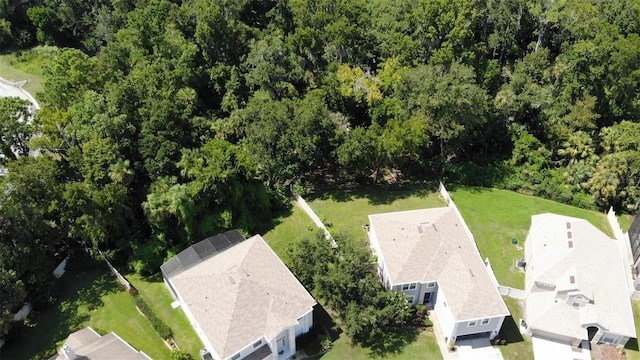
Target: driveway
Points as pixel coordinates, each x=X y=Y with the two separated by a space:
x=469 y=349
x=477 y=349
x=9 y=89
x=544 y=349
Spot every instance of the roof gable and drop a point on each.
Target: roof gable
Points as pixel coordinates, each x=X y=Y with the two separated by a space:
x=580 y=261
x=433 y=245
x=241 y=294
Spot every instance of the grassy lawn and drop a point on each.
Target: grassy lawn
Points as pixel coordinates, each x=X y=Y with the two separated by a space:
x=631 y=349
x=344 y=212
x=518 y=346
x=496 y=216
x=422 y=347
x=156 y=294
x=289 y=229
x=87 y=298
x=26 y=65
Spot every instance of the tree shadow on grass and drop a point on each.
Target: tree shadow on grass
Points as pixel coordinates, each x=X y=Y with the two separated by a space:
x=391 y=342
x=266 y=226
x=79 y=292
x=375 y=196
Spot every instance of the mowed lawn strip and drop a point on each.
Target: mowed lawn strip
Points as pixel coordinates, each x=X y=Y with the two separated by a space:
x=424 y=347
x=87 y=298
x=156 y=294
x=289 y=229
x=27 y=65
x=345 y=212
x=496 y=216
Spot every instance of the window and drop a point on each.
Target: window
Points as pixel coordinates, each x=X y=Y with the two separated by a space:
x=410 y=299
x=431 y=284
x=257 y=343
x=405 y=287
x=408 y=286
x=472 y=323
x=235 y=357
x=484 y=322
x=412 y=286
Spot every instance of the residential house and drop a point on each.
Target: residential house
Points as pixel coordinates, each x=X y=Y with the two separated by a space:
x=576 y=283
x=86 y=344
x=432 y=257
x=243 y=302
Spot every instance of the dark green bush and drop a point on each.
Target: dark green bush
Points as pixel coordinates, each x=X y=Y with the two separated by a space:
x=160 y=326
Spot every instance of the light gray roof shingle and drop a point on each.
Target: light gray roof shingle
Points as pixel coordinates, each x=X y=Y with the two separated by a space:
x=591 y=265
x=433 y=245
x=241 y=294
x=89 y=345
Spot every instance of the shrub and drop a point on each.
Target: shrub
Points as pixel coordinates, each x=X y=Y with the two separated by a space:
x=181 y=355
x=160 y=326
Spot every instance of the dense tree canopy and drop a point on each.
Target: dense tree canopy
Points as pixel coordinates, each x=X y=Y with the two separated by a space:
x=165 y=121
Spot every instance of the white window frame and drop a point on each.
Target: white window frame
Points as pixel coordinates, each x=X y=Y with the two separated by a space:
x=235 y=357
x=472 y=323
x=484 y=321
x=410 y=299
x=412 y=286
x=259 y=342
x=431 y=284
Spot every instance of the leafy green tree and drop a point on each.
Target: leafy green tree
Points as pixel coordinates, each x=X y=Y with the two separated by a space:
x=13 y=295
x=15 y=127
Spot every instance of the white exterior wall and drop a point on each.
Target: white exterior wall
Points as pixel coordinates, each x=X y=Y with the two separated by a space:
x=304 y=324
x=445 y=317
x=290 y=345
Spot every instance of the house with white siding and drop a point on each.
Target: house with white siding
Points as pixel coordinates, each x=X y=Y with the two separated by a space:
x=576 y=283
x=431 y=256
x=243 y=302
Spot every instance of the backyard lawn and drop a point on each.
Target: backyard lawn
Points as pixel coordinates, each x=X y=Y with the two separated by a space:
x=26 y=65
x=494 y=216
x=156 y=294
x=87 y=298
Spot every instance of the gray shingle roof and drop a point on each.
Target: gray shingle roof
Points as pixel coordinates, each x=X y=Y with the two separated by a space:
x=241 y=294
x=433 y=245
x=574 y=256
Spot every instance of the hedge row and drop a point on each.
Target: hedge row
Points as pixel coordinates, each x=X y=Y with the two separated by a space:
x=160 y=326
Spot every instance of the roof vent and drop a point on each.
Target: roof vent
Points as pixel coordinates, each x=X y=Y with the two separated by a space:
x=570 y=244
x=568 y=225
x=569 y=235
x=572 y=279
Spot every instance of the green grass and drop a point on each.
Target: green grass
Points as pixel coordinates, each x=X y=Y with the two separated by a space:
x=631 y=349
x=345 y=212
x=26 y=65
x=518 y=346
x=496 y=216
x=423 y=347
x=156 y=294
x=289 y=229
x=625 y=221
x=87 y=298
